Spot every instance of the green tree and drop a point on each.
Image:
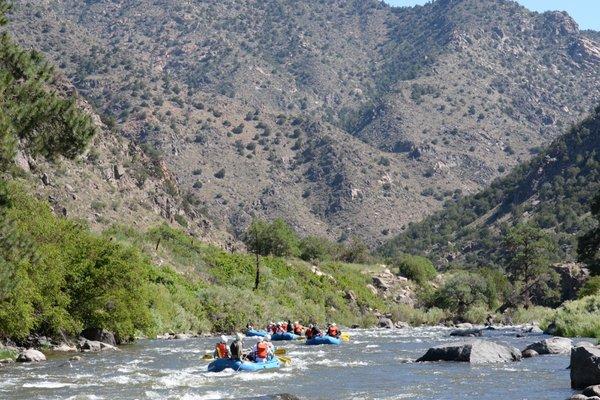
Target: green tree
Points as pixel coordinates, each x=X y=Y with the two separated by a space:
x=314 y=248
x=528 y=252
x=356 y=252
x=276 y=238
x=588 y=249
x=462 y=291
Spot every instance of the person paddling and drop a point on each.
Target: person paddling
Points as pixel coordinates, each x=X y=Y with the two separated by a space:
x=236 y=349
x=261 y=350
x=290 y=327
x=333 y=330
x=298 y=328
x=221 y=350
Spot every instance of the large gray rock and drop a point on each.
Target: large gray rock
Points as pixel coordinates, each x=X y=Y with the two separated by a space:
x=467 y=333
x=31 y=355
x=555 y=345
x=591 y=391
x=585 y=366
x=95 y=346
x=385 y=323
x=473 y=351
x=99 y=335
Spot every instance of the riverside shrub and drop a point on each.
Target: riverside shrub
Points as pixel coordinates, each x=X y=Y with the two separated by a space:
x=415 y=268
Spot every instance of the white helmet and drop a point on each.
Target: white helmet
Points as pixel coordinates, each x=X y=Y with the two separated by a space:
x=239 y=336
x=223 y=339
x=260 y=339
x=333 y=324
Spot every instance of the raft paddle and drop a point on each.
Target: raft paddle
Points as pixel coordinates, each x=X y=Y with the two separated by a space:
x=280 y=351
x=285 y=360
x=345 y=337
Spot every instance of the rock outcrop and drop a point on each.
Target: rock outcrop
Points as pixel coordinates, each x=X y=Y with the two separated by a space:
x=475 y=352
x=585 y=366
x=572 y=278
x=390 y=286
x=385 y=323
x=99 y=335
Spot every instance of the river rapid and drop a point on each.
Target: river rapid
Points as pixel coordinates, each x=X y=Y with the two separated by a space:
x=375 y=364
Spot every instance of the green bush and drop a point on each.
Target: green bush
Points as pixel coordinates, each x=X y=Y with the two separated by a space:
x=463 y=291
x=579 y=318
x=415 y=268
x=313 y=248
x=590 y=288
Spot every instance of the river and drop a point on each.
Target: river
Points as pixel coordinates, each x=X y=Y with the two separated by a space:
x=373 y=365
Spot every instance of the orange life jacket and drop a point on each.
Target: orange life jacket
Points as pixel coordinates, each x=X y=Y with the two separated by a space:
x=222 y=350
x=262 y=350
x=298 y=329
x=332 y=331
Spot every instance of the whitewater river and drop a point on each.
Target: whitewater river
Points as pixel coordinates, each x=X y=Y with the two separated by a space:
x=373 y=365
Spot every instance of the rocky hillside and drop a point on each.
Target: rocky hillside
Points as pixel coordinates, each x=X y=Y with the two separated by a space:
x=552 y=191
x=345 y=117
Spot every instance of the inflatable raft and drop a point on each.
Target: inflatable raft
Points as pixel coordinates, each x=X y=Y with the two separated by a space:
x=284 y=336
x=242 y=366
x=324 y=340
x=255 y=333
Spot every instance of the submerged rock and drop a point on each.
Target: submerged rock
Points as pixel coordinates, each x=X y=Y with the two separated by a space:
x=585 y=366
x=467 y=332
x=529 y=353
x=555 y=345
x=31 y=355
x=475 y=352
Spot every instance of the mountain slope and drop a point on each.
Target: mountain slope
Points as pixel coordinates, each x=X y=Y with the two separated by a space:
x=370 y=116
x=553 y=191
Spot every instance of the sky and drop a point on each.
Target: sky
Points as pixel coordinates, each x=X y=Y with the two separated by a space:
x=585 y=12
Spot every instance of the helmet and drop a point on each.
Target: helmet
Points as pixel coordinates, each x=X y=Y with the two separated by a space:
x=223 y=339
x=311 y=326
x=333 y=324
x=239 y=336
x=261 y=339
x=268 y=338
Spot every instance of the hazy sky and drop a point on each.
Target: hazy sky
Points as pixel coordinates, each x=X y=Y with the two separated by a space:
x=585 y=12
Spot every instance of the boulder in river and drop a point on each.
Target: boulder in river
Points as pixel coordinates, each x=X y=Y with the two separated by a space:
x=591 y=391
x=99 y=335
x=31 y=355
x=532 y=329
x=467 y=332
x=529 y=353
x=64 y=348
x=555 y=345
x=585 y=366
x=385 y=323
x=474 y=351
x=95 y=346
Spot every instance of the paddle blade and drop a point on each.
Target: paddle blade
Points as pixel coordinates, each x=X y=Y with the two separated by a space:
x=285 y=360
x=345 y=337
x=207 y=357
x=280 y=351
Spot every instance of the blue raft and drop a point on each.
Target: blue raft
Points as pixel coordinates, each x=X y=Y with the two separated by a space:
x=284 y=336
x=242 y=366
x=254 y=333
x=324 y=340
